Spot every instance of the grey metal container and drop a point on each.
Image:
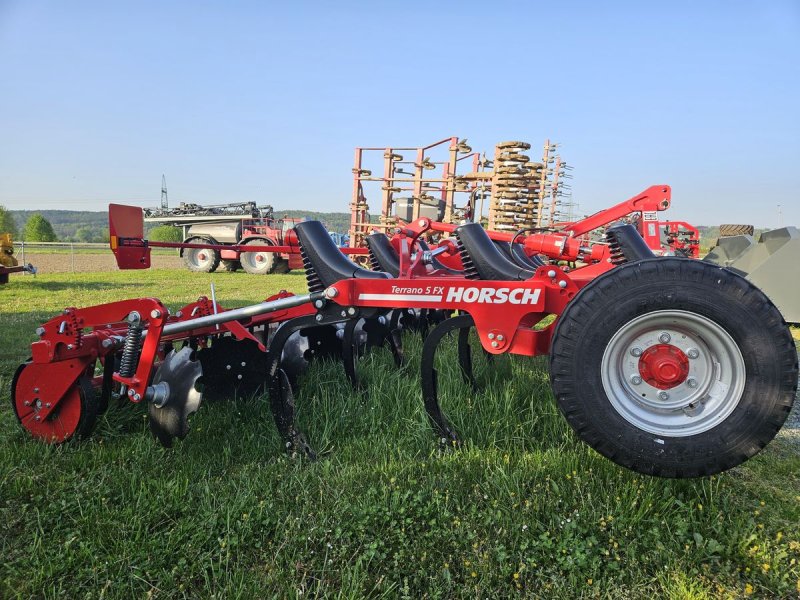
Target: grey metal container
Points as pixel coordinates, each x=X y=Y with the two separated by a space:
x=224 y=233
x=430 y=209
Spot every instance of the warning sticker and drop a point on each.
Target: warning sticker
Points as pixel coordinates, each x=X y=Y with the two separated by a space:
x=650 y=215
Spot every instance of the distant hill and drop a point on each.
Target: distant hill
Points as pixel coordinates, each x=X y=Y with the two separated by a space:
x=77 y=225
x=92 y=226
x=69 y=225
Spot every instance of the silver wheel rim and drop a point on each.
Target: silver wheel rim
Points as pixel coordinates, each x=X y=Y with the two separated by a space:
x=197 y=261
x=704 y=399
x=257 y=261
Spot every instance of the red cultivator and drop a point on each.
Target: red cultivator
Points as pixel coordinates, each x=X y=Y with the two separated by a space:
x=667 y=366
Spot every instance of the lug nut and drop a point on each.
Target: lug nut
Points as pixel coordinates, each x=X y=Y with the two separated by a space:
x=636 y=351
x=239 y=377
x=228 y=367
x=636 y=380
x=693 y=353
x=663 y=395
x=319 y=304
x=244 y=364
x=500 y=337
x=137 y=397
x=156 y=314
x=131 y=393
x=562 y=284
x=495 y=344
x=331 y=292
x=318 y=318
x=491 y=336
x=691 y=382
x=551 y=273
x=351 y=311
x=664 y=338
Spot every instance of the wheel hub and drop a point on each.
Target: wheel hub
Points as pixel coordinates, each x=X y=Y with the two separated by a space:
x=664 y=366
x=673 y=373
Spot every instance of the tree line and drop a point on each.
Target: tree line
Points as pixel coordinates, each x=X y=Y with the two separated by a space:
x=62 y=226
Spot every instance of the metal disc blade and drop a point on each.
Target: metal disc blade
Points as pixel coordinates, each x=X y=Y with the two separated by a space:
x=231 y=366
x=181 y=373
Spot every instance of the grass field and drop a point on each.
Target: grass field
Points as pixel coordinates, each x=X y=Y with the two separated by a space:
x=524 y=510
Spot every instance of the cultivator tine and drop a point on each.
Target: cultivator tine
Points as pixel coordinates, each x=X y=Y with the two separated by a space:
x=282 y=403
x=280 y=388
x=430 y=393
x=395 y=341
x=177 y=396
x=465 y=357
x=350 y=345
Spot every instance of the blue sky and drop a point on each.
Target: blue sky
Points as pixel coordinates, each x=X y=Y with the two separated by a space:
x=261 y=101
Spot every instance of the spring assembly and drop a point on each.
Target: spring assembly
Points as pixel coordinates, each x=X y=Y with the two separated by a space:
x=373 y=261
x=470 y=271
x=313 y=280
x=132 y=346
x=617 y=255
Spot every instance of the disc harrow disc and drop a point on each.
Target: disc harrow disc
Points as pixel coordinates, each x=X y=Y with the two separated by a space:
x=307 y=345
x=232 y=367
x=181 y=373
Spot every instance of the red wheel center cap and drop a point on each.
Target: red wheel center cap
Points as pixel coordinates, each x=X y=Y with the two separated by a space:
x=664 y=366
x=201 y=256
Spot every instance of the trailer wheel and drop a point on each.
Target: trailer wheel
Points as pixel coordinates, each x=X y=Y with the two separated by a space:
x=673 y=367
x=200 y=260
x=231 y=266
x=258 y=263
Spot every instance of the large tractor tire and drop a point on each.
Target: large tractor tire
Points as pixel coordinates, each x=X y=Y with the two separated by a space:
x=673 y=367
x=259 y=263
x=200 y=260
x=231 y=266
x=729 y=230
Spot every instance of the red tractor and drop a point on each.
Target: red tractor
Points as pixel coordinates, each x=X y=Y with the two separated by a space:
x=213 y=231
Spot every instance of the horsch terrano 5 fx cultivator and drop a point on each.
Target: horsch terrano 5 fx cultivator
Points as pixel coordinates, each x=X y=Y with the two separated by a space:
x=667 y=366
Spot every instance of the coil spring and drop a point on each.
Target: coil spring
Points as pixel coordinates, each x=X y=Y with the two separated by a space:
x=470 y=270
x=617 y=254
x=373 y=261
x=131 y=349
x=312 y=279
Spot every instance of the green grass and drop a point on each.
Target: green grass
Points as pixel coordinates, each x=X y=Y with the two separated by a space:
x=523 y=510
